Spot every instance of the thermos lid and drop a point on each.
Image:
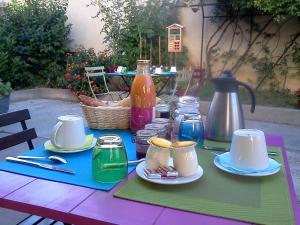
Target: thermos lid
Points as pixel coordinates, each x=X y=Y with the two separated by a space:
x=226 y=82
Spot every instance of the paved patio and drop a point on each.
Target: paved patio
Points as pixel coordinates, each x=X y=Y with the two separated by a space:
x=45 y=111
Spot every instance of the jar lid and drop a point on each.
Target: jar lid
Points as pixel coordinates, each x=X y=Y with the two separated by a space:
x=187 y=110
x=162 y=107
x=153 y=126
x=188 y=99
x=143 y=61
x=161 y=121
x=146 y=133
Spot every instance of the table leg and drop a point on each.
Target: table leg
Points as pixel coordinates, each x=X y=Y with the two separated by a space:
x=126 y=83
x=164 y=85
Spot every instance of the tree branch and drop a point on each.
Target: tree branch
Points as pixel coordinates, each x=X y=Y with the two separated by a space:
x=231 y=43
x=243 y=57
x=287 y=48
x=208 y=44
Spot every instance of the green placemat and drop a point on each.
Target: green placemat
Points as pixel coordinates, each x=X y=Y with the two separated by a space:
x=263 y=200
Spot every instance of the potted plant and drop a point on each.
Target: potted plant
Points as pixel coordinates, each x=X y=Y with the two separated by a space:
x=5 y=90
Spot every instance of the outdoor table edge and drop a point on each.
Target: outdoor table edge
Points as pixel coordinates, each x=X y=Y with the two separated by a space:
x=277 y=140
x=272 y=140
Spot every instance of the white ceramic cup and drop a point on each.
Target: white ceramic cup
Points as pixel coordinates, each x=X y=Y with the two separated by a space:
x=119 y=69
x=156 y=157
x=173 y=69
x=158 y=70
x=249 y=150
x=185 y=160
x=68 y=132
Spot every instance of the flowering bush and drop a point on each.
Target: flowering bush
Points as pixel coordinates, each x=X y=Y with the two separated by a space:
x=298 y=93
x=75 y=78
x=298 y=98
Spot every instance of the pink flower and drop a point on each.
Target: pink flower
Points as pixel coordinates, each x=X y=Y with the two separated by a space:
x=78 y=77
x=68 y=76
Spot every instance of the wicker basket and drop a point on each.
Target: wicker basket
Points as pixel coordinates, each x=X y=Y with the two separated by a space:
x=103 y=117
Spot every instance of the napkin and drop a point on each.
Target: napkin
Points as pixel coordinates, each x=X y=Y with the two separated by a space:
x=224 y=160
x=88 y=143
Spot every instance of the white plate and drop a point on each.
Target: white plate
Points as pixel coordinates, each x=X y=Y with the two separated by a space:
x=73 y=150
x=179 y=180
x=261 y=174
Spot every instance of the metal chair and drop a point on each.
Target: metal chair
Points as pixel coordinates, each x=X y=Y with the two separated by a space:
x=94 y=72
x=183 y=77
x=26 y=135
x=196 y=82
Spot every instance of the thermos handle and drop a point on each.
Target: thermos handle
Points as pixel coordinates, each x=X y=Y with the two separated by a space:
x=253 y=99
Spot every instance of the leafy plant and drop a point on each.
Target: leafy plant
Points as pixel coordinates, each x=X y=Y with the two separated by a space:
x=133 y=29
x=5 y=88
x=34 y=39
x=279 y=8
x=254 y=42
x=74 y=78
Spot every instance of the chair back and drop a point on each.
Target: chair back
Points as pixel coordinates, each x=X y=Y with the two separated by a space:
x=96 y=71
x=26 y=135
x=198 y=77
x=182 y=76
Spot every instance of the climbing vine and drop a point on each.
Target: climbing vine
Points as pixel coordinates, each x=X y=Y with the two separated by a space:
x=251 y=27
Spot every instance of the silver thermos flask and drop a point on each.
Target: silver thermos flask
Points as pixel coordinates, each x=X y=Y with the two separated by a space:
x=225 y=114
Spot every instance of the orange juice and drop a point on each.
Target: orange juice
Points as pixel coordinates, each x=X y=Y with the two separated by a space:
x=143 y=97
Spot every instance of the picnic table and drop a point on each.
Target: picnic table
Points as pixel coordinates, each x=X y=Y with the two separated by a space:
x=81 y=205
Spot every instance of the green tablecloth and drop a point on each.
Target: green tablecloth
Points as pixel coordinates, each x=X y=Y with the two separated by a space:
x=263 y=200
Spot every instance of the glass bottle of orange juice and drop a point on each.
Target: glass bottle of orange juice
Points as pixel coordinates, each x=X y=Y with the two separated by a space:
x=143 y=97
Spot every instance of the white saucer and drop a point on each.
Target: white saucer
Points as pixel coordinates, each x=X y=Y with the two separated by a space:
x=179 y=180
x=257 y=174
x=71 y=150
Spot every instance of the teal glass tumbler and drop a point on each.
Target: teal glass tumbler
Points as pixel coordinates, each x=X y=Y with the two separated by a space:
x=109 y=161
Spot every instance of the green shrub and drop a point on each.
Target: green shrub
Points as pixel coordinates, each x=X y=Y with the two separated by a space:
x=5 y=88
x=34 y=40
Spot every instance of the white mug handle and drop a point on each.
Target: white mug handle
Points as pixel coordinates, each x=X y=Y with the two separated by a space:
x=54 y=133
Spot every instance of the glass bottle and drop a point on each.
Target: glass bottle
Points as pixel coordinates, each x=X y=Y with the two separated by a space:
x=143 y=97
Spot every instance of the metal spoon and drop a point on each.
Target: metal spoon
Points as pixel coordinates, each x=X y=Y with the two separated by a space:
x=133 y=162
x=53 y=158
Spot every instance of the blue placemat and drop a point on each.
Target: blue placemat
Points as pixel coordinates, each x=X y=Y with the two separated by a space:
x=80 y=162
